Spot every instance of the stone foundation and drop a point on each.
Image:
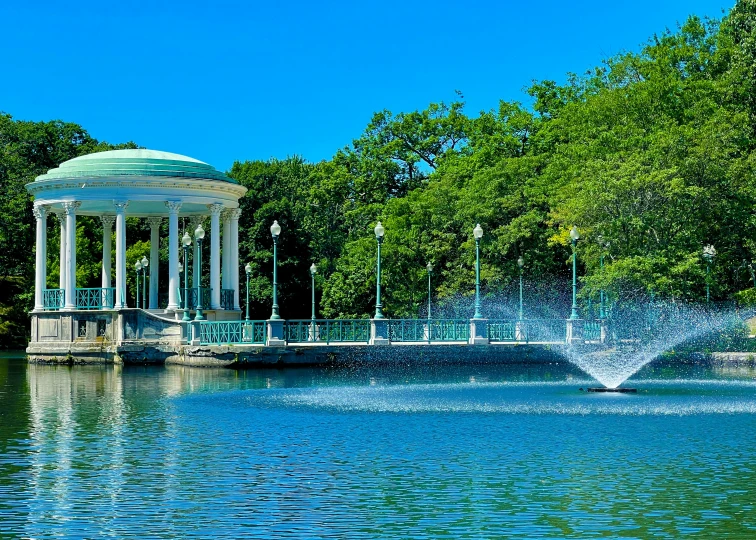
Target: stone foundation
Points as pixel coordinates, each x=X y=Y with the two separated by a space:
x=134 y=336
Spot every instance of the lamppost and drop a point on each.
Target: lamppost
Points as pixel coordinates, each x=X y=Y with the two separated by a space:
x=521 y=264
x=186 y=241
x=478 y=234
x=138 y=269
x=575 y=236
x=429 y=268
x=603 y=246
x=199 y=234
x=145 y=264
x=708 y=253
x=248 y=271
x=275 y=230
x=313 y=271
x=379 y=232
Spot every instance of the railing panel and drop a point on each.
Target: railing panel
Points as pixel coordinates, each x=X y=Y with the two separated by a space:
x=409 y=330
x=450 y=330
x=546 y=330
x=401 y=330
x=95 y=298
x=192 y=295
x=232 y=332
x=227 y=298
x=527 y=330
x=327 y=330
x=503 y=330
x=54 y=298
x=592 y=331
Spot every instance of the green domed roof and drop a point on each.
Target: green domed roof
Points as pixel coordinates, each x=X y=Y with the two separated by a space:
x=139 y=162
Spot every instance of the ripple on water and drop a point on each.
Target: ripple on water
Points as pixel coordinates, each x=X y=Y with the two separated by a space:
x=563 y=397
x=193 y=453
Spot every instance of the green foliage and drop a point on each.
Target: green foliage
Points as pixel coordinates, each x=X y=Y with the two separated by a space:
x=746 y=298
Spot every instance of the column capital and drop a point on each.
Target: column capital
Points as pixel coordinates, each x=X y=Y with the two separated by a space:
x=173 y=206
x=215 y=209
x=120 y=206
x=225 y=215
x=154 y=221
x=40 y=211
x=61 y=218
x=234 y=213
x=70 y=207
x=107 y=221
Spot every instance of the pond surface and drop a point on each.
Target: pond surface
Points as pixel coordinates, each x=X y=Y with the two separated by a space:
x=428 y=452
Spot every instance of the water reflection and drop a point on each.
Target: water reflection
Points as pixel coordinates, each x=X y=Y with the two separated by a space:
x=424 y=452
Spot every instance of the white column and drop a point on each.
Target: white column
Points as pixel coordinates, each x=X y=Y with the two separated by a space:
x=70 y=208
x=154 y=258
x=62 y=280
x=234 y=263
x=107 y=281
x=193 y=224
x=215 y=284
x=120 y=288
x=226 y=250
x=40 y=281
x=173 y=246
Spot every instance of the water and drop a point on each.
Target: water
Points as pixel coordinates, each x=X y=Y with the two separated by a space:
x=425 y=452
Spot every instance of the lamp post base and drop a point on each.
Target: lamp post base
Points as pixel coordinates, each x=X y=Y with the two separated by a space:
x=379 y=332
x=479 y=332
x=276 y=336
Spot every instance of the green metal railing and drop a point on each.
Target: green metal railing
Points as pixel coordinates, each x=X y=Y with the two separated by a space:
x=592 y=331
x=401 y=330
x=327 y=330
x=227 y=298
x=439 y=330
x=505 y=330
x=527 y=330
x=95 y=298
x=54 y=298
x=546 y=330
x=232 y=332
x=193 y=298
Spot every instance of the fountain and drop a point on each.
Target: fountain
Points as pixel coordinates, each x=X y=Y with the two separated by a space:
x=643 y=336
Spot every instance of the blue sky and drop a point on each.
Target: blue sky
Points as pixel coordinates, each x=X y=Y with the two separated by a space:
x=223 y=81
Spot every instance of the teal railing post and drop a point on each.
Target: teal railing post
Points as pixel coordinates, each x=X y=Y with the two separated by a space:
x=275 y=324
x=379 y=232
x=247 y=271
x=379 y=326
x=478 y=334
x=275 y=230
x=138 y=267
x=187 y=242
x=429 y=267
x=199 y=234
x=478 y=233
x=313 y=271
x=602 y=312
x=575 y=236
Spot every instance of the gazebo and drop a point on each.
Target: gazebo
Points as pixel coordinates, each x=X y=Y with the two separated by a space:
x=145 y=184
